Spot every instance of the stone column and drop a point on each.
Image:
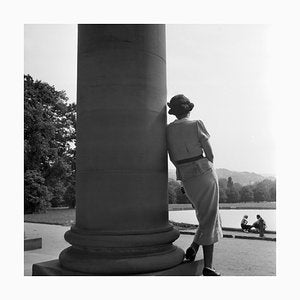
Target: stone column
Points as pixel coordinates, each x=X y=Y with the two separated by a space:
x=121 y=185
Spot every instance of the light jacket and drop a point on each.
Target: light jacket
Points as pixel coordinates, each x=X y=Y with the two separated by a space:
x=184 y=140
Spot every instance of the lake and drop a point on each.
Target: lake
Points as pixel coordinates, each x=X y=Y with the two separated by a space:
x=230 y=217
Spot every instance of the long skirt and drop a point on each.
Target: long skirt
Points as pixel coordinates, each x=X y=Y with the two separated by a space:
x=203 y=192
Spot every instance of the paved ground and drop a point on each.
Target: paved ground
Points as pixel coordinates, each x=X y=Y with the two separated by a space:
x=236 y=233
x=233 y=257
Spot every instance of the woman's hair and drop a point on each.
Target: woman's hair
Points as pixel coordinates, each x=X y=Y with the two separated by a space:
x=245 y=216
x=180 y=106
x=181 y=115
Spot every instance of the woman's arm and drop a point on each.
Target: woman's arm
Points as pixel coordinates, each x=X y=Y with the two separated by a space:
x=204 y=140
x=173 y=162
x=208 y=150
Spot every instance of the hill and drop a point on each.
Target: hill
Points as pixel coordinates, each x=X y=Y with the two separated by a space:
x=244 y=178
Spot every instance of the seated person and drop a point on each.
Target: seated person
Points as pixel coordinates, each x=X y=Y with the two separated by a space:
x=260 y=225
x=244 y=223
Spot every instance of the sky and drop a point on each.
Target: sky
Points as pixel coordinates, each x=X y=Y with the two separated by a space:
x=223 y=69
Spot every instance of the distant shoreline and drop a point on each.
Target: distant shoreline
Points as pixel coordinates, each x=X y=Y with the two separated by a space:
x=242 y=205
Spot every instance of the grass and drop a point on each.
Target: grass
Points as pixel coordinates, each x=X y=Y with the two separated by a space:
x=66 y=217
x=248 y=205
x=242 y=205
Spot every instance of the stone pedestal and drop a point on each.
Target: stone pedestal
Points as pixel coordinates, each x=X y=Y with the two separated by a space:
x=53 y=268
x=121 y=161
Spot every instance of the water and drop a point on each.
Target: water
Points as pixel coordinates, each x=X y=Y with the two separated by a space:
x=230 y=217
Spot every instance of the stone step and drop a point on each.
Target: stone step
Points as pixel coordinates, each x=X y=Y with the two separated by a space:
x=53 y=268
x=32 y=243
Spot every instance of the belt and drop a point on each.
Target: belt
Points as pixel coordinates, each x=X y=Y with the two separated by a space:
x=182 y=161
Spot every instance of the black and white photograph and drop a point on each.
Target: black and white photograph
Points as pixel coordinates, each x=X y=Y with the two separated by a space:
x=99 y=192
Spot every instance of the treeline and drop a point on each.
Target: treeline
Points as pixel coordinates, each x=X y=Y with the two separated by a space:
x=230 y=192
x=49 y=147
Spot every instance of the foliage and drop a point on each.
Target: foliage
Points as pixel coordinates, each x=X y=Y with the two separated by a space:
x=229 y=183
x=69 y=196
x=49 y=144
x=175 y=193
x=172 y=184
x=180 y=196
x=233 y=195
x=261 y=192
x=247 y=194
x=231 y=192
x=234 y=192
x=223 y=198
x=37 y=195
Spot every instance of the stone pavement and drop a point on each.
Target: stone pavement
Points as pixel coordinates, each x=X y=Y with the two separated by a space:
x=238 y=234
x=232 y=257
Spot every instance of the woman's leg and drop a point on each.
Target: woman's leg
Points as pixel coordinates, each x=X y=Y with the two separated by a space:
x=249 y=227
x=208 y=270
x=208 y=251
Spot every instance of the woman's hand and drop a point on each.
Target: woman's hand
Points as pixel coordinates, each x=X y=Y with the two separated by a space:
x=208 y=151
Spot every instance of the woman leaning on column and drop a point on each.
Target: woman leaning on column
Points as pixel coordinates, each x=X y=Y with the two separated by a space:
x=191 y=153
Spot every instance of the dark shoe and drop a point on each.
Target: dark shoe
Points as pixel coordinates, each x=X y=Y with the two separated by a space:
x=190 y=254
x=210 y=272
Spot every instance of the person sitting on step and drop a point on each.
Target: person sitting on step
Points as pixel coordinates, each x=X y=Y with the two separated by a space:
x=260 y=225
x=244 y=224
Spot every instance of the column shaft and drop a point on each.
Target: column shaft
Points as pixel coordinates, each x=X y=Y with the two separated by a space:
x=121 y=182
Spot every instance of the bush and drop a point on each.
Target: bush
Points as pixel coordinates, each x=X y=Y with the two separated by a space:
x=69 y=196
x=36 y=194
x=58 y=190
x=175 y=194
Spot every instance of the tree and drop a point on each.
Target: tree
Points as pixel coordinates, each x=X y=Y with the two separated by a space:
x=69 y=195
x=261 y=193
x=49 y=139
x=270 y=187
x=172 y=185
x=175 y=193
x=37 y=195
x=229 y=183
x=222 y=183
x=233 y=195
x=231 y=191
x=238 y=187
x=273 y=192
x=222 y=195
x=180 y=197
x=247 y=194
x=222 y=190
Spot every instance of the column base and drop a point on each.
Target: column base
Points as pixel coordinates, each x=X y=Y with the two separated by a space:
x=95 y=262
x=96 y=252
x=54 y=268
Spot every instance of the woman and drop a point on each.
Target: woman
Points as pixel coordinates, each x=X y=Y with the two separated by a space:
x=187 y=141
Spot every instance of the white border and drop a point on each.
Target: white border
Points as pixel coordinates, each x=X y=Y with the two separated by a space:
x=282 y=15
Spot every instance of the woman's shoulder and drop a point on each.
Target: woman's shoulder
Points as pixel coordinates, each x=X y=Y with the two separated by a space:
x=200 y=123
x=197 y=122
x=185 y=122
